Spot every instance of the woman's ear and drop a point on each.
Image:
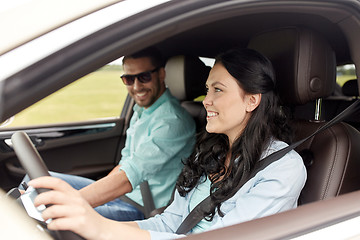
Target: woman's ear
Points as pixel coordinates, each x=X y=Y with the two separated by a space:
x=253 y=100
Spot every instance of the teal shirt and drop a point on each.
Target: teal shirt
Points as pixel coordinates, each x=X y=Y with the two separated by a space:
x=157 y=141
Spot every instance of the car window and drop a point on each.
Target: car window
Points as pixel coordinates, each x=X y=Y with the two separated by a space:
x=100 y=94
x=210 y=63
x=345 y=73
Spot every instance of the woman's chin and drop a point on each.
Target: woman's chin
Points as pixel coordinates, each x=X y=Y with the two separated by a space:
x=211 y=129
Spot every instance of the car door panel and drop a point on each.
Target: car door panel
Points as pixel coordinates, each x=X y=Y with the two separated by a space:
x=89 y=149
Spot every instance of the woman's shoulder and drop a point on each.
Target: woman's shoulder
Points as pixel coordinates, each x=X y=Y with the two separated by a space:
x=276 y=145
x=291 y=160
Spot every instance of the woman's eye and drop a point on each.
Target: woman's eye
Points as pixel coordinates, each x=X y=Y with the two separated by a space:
x=213 y=89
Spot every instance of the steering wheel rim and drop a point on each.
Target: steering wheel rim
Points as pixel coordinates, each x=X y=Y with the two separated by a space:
x=35 y=167
x=29 y=157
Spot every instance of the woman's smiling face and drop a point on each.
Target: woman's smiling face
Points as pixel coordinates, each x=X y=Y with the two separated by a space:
x=227 y=105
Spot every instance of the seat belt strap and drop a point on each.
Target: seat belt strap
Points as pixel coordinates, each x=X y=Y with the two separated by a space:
x=146 y=197
x=197 y=214
x=128 y=200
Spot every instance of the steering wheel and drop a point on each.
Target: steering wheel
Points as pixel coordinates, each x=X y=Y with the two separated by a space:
x=35 y=167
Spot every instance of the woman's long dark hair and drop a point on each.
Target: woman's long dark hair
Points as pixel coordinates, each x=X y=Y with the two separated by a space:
x=254 y=74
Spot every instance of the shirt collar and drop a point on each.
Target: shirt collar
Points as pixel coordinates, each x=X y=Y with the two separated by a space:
x=163 y=98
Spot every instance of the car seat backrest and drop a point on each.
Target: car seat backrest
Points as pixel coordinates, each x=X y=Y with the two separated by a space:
x=304 y=63
x=351 y=88
x=186 y=77
x=305 y=68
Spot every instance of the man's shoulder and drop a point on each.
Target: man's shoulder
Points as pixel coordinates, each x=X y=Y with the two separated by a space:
x=170 y=110
x=171 y=106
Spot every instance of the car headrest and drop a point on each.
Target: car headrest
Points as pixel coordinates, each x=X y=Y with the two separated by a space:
x=304 y=63
x=351 y=88
x=186 y=77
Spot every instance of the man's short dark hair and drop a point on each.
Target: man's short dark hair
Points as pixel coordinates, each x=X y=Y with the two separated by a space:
x=153 y=53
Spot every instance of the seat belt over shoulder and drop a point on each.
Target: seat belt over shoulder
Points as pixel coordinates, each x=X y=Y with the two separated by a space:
x=197 y=214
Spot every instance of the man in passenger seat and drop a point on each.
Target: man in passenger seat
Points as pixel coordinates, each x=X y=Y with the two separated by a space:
x=160 y=136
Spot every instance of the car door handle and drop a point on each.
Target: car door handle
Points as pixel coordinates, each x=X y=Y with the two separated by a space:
x=35 y=140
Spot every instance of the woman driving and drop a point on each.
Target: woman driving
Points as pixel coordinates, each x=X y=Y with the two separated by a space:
x=245 y=123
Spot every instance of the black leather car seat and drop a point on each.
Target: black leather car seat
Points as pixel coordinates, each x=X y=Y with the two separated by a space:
x=305 y=67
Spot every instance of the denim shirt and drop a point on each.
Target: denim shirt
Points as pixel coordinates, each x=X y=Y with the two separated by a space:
x=157 y=141
x=272 y=190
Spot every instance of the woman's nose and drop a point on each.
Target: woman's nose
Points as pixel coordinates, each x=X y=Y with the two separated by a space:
x=207 y=100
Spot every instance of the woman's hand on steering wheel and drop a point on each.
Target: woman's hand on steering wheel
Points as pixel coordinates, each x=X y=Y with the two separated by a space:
x=67 y=208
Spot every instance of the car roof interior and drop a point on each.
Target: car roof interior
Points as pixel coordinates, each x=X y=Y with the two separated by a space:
x=210 y=39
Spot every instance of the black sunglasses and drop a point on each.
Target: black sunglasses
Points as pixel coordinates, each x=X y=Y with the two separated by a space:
x=143 y=77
